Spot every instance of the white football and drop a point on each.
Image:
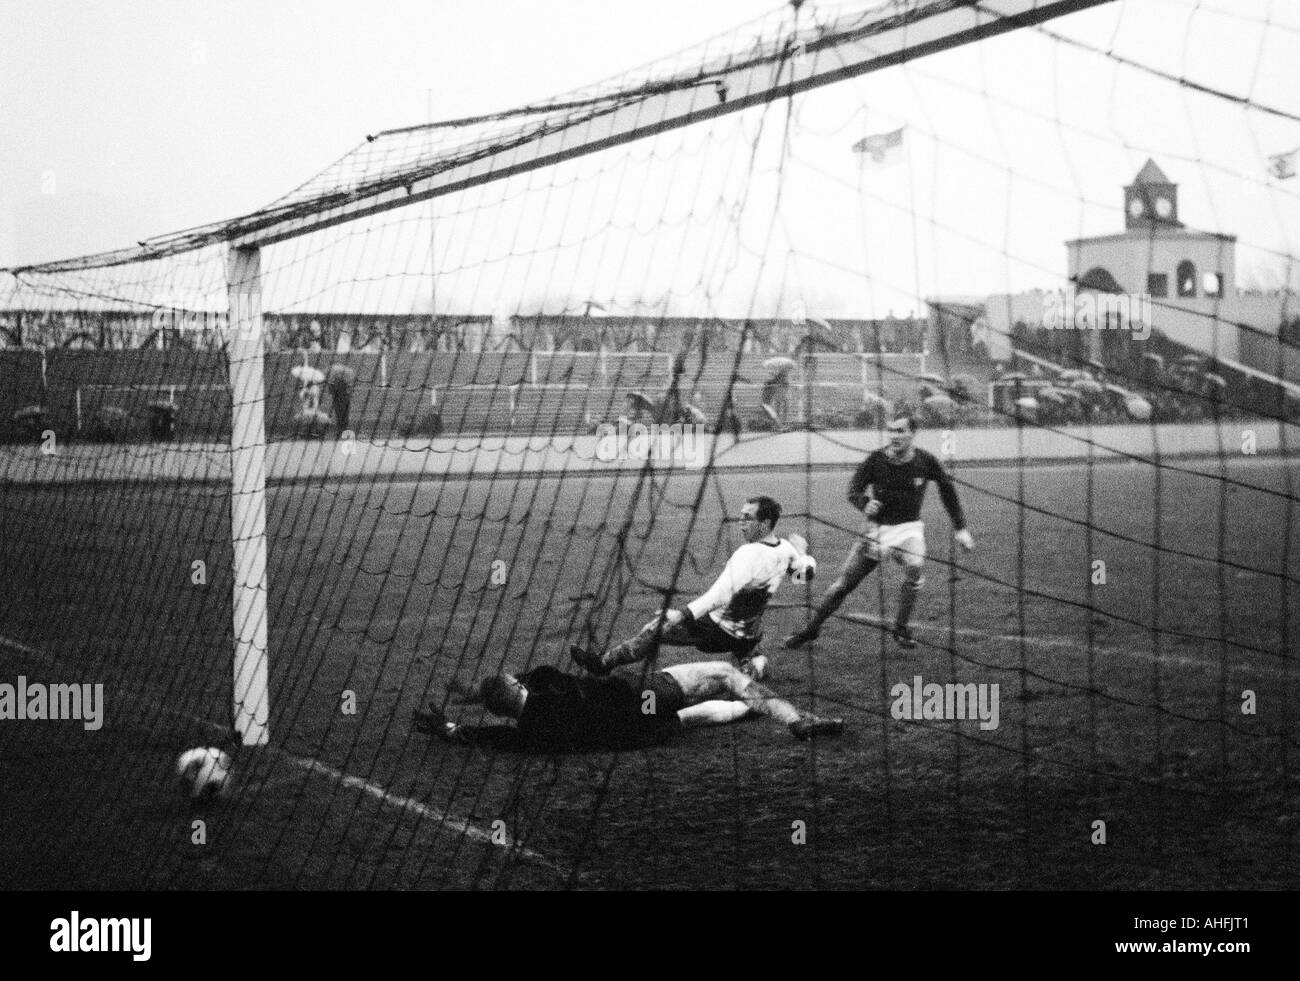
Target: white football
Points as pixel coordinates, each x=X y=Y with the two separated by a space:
x=203 y=773
x=803 y=569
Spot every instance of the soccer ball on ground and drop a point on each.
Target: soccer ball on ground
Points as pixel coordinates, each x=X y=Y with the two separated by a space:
x=203 y=773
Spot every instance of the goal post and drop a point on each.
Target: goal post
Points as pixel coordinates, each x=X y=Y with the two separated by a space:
x=245 y=350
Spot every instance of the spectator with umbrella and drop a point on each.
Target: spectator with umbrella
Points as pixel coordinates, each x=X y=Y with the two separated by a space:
x=340 y=379
x=775 y=396
x=938 y=410
x=876 y=410
x=310 y=418
x=641 y=405
x=1138 y=408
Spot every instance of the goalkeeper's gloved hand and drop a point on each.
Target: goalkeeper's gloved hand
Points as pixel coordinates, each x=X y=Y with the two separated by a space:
x=432 y=722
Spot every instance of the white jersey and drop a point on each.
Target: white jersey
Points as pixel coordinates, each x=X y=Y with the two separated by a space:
x=737 y=600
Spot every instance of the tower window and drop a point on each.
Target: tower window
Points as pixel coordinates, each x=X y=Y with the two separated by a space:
x=1212 y=284
x=1157 y=284
x=1186 y=279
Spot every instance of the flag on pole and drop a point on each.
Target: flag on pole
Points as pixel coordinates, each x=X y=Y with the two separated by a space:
x=881 y=149
x=1283 y=165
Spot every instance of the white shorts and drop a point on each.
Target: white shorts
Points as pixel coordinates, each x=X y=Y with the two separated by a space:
x=897 y=541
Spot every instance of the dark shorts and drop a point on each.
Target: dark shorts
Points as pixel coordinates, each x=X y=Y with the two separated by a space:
x=643 y=722
x=706 y=636
x=669 y=696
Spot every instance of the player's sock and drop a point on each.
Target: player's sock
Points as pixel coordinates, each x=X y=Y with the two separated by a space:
x=763 y=701
x=838 y=593
x=906 y=602
x=628 y=652
x=812 y=726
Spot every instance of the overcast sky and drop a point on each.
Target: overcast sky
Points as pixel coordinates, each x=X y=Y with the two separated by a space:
x=124 y=120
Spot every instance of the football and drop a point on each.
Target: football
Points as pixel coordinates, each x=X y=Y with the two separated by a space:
x=203 y=773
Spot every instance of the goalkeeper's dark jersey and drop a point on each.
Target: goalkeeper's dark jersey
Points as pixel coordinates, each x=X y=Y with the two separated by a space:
x=900 y=487
x=567 y=712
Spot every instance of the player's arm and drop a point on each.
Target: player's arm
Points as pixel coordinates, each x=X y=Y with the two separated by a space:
x=463 y=694
x=862 y=492
x=951 y=503
x=432 y=722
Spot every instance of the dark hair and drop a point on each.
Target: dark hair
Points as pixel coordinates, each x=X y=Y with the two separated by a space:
x=907 y=417
x=767 y=510
x=497 y=694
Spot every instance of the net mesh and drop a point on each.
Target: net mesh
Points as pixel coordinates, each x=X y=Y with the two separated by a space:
x=827 y=219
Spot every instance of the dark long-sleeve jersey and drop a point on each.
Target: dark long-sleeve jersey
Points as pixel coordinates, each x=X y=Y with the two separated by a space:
x=571 y=712
x=900 y=487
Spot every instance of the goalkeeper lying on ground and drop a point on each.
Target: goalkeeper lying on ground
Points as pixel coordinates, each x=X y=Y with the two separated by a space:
x=556 y=712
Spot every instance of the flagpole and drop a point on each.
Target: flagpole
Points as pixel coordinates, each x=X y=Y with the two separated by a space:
x=916 y=246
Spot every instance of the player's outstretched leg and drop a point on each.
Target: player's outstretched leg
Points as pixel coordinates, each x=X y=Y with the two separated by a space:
x=859 y=564
x=705 y=681
x=763 y=701
x=634 y=649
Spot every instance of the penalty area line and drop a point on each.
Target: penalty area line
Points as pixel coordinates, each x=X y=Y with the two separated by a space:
x=321 y=769
x=422 y=810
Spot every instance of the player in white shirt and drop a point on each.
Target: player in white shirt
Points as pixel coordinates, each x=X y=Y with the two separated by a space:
x=728 y=618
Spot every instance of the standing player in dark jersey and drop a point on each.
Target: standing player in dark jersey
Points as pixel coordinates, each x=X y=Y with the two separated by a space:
x=556 y=712
x=888 y=488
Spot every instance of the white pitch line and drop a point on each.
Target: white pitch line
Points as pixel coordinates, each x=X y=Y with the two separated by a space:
x=423 y=810
x=1065 y=643
x=315 y=766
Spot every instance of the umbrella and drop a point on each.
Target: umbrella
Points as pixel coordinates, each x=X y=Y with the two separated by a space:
x=1153 y=359
x=341 y=374
x=968 y=382
x=1138 y=408
x=1086 y=386
x=1216 y=381
x=776 y=367
x=939 y=408
x=307 y=374
x=641 y=402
